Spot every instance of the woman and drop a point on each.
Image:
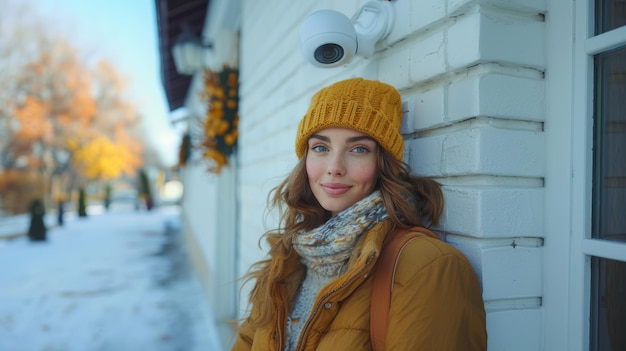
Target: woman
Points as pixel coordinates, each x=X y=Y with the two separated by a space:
x=349 y=190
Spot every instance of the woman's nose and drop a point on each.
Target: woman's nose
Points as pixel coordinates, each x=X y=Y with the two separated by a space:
x=336 y=166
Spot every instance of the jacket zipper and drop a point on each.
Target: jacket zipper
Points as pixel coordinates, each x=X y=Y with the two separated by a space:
x=317 y=307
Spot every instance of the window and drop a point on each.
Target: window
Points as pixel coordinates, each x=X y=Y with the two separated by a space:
x=609 y=145
x=608 y=218
x=608 y=304
x=610 y=14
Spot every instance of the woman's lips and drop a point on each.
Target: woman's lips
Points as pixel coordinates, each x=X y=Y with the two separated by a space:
x=335 y=188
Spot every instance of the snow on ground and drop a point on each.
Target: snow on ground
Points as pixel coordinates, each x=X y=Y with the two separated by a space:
x=116 y=280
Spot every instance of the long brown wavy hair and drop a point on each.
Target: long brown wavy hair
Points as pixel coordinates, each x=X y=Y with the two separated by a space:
x=409 y=200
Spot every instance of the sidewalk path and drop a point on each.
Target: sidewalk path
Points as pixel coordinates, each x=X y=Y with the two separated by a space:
x=112 y=281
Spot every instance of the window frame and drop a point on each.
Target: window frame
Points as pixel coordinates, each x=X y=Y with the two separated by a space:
x=583 y=246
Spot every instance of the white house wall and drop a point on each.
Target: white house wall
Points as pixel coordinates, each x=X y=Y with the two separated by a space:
x=209 y=218
x=475 y=77
x=471 y=76
x=209 y=222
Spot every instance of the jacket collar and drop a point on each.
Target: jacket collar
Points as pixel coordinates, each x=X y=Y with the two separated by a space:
x=360 y=265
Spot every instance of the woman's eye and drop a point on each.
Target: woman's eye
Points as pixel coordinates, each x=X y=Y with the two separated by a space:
x=319 y=148
x=360 y=149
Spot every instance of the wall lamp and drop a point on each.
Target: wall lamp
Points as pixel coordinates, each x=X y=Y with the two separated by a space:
x=188 y=52
x=329 y=38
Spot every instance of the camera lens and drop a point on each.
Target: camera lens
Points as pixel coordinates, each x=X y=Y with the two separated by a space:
x=328 y=53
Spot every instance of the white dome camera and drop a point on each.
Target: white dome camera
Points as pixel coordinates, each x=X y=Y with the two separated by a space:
x=329 y=38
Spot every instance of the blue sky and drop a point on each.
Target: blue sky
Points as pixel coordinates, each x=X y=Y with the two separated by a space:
x=124 y=33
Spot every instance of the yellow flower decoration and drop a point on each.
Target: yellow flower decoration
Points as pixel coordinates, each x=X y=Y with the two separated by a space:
x=222 y=119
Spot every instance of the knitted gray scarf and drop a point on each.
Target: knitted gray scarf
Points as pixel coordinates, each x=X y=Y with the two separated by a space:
x=325 y=249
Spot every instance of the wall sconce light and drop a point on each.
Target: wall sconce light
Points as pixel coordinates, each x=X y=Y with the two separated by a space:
x=188 y=52
x=329 y=38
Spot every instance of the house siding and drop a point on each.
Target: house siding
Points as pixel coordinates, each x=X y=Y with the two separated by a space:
x=471 y=74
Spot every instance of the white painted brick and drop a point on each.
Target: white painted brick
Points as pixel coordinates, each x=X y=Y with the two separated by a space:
x=273 y=50
x=479 y=151
x=463 y=41
x=428 y=58
x=497 y=95
x=517 y=330
x=464 y=99
x=513 y=40
x=349 y=8
x=425 y=155
x=512 y=97
x=478 y=37
x=510 y=272
x=496 y=152
x=508 y=268
x=428 y=108
x=526 y=6
x=538 y=6
x=407 y=121
x=415 y=15
x=462 y=211
x=457 y=7
x=394 y=67
x=493 y=212
x=426 y=12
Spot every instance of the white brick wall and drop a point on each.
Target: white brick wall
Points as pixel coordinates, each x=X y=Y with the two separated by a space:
x=471 y=74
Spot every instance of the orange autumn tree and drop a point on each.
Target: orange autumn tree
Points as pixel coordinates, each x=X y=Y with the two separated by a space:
x=84 y=106
x=35 y=130
x=55 y=106
x=31 y=117
x=52 y=105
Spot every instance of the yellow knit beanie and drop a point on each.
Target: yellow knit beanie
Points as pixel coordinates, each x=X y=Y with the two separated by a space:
x=371 y=107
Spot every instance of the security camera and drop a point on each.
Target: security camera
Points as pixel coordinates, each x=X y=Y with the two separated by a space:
x=329 y=38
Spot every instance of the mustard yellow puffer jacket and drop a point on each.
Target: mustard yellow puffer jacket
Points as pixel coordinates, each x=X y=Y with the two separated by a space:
x=436 y=303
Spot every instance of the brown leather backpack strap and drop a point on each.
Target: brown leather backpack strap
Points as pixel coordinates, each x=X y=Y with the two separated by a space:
x=383 y=281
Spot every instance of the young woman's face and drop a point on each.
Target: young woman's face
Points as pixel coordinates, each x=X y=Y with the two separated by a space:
x=341 y=167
